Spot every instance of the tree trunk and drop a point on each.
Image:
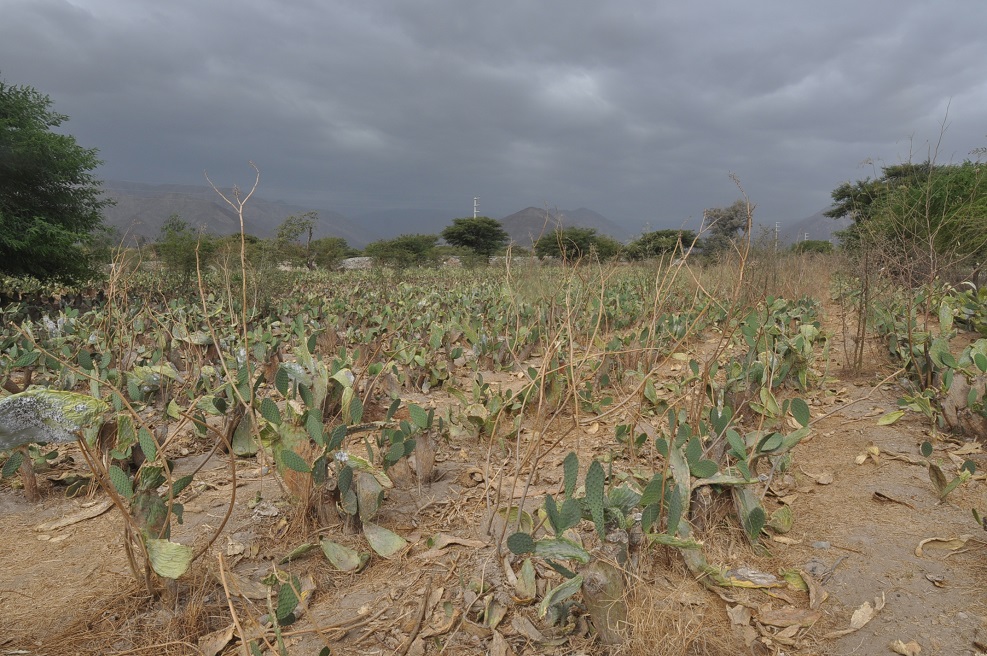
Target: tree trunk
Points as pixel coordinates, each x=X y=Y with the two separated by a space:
x=28 y=478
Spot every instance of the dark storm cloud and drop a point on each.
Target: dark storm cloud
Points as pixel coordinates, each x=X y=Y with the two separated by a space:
x=638 y=110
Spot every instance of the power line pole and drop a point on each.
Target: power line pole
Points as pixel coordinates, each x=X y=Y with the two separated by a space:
x=476 y=205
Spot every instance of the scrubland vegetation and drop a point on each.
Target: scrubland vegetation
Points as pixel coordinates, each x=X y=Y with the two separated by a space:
x=620 y=415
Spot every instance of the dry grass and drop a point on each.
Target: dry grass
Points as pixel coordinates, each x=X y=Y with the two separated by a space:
x=769 y=273
x=130 y=621
x=672 y=615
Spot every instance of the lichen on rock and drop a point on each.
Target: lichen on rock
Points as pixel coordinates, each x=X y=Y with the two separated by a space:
x=46 y=416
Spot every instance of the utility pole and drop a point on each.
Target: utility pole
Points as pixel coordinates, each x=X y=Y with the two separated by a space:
x=476 y=205
x=777 y=228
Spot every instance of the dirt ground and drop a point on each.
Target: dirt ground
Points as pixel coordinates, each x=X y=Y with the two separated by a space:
x=858 y=525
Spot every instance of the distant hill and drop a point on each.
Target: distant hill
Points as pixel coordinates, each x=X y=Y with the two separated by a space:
x=526 y=226
x=391 y=223
x=141 y=209
x=816 y=226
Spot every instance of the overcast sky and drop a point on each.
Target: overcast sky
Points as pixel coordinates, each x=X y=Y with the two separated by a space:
x=637 y=109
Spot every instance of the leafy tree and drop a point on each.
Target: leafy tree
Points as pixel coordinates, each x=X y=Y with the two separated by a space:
x=50 y=202
x=328 y=252
x=725 y=224
x=606 y=247
x=939 y=210
x=482 y=235
x=176 y=247
x=404 y=251
x=659 y=243
x=571 y=244
x=862 y=199
x=288 y=233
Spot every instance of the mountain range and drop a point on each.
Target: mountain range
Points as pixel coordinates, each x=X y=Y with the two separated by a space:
x=526 y=226
x=818 y=226
x=140 y=209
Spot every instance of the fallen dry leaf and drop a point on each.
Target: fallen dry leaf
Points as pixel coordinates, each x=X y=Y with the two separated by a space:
x=747 y=577
x=234 y=547
x=781 y=595
x=443 y=540
x=524 y=626
x=241 y=585
x=825 y=478
x=750 y=635
x=739 y=615
x=444 y=627
x=866 y=613
x=784 y=617
x=94 y=510
x=967 y=449
x=904 y=457
x=906 y=649
x=499 y=646
x=213 y=643
x=417 y=647
x=789 y=633
x=785 y=636
x=949 y=544
x=885 y=498
x=860 y=617
x=817 y=594
x=471 y=477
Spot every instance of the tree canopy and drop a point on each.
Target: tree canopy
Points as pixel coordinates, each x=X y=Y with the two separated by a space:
x=940 y=209
x=328 y=252
x=574 y=243
x=482 y=235
x=404 y=251
x=725 y=224
x=50 y=202
x=289 y=231
x=658 y=243
x=177 y=244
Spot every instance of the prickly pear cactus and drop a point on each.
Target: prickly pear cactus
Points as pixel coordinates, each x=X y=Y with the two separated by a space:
x=595 y=480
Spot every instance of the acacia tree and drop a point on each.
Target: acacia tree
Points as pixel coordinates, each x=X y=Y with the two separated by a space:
x=482 y=235
x=177 y=245
x=328 y=252
x=937 y=210
x=725 y=224
x=291 y=229
x=658 y=243
x=574 y=243
x=50 y=202
x=404 y=251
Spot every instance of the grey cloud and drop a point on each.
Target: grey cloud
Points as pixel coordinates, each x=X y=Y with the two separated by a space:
x=636 y=109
